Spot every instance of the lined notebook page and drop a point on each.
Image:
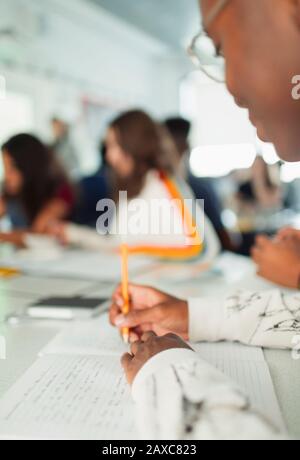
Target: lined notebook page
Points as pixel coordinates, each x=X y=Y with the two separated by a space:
x=247 y=367
x=69 y=397
x=93 y=337
x=243 y=365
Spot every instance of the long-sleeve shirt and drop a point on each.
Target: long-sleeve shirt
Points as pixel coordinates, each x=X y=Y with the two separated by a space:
x=180 y=396
x=268 y=319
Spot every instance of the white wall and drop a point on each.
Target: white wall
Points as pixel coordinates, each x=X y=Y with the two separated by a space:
x=223 y=137
x=69 y=49
x=218 y=120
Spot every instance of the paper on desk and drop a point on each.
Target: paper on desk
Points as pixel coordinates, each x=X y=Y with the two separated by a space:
x=69 y=397
x=80 y=392
x=93 y=337
x=244 y=365
x=247 y=367
x=79 y=264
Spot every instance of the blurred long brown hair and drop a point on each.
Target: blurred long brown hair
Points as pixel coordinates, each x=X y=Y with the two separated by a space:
x=41 y=171
x=150 y=146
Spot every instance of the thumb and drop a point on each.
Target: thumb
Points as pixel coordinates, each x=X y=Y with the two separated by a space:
x=135 y=318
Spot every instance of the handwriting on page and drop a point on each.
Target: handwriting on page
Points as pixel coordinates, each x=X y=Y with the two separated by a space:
x=81 y=397
x=94 y=337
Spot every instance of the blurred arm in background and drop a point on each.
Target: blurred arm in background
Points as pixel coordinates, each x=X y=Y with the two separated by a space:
x=278 y=260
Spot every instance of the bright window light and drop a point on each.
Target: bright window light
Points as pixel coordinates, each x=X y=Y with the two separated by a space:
x=290 y=172
x=220 y=160
x=268 y=152
x=16 y=115
x=229 y=218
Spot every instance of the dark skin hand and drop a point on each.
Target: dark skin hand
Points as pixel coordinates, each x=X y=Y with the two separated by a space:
x=151 y=310
x=144 y=349
x=278 y=261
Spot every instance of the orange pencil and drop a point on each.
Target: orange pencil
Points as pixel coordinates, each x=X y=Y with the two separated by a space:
x=125 y=290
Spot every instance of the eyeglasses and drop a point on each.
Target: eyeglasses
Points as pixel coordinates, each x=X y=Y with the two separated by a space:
x=203 y=52
x=205 y=57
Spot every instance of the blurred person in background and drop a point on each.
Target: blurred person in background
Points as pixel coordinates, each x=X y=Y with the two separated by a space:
x=263 y=190
x=278 y=259
x=203 y=189
x=141 y=157
x=257 y=202
x=36 y=190
x=91 y=189
x=64 y=147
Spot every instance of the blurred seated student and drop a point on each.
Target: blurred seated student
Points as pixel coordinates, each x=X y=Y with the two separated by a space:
x=262 y=191
x=141 y=157
x=278 y=259
x=179 y=129
x=91 y=189
x=35 y=191
x=259 y=196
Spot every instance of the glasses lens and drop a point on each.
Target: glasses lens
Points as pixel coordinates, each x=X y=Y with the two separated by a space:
x=205 y=56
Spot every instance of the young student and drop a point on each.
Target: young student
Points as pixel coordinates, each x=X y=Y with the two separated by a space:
x=141 y=157
x=36 y=190
x=202 y=403
x=263 y=190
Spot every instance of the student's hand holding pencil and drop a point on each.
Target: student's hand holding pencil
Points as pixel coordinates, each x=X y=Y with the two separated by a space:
x=150 y=310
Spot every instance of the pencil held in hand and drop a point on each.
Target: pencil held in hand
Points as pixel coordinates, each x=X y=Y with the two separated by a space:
x=125 y=291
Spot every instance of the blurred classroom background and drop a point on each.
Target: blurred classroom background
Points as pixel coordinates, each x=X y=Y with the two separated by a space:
x=68 y=67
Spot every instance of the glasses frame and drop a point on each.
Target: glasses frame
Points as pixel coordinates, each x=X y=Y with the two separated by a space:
x=212 y=16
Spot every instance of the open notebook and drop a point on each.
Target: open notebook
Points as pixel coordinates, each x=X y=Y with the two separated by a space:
x=76 y=389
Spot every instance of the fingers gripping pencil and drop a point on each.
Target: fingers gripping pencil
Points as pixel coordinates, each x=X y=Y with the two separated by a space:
x=125 y=290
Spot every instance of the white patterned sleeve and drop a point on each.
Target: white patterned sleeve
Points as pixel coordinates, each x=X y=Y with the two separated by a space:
x=268 y=319
x=178 y=396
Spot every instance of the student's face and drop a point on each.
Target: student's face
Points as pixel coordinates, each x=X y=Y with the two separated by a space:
x=13 y=179
x=260 y=40
x=120 y=161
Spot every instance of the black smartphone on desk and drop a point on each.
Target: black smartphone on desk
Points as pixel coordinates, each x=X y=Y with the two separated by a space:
x=67 y=308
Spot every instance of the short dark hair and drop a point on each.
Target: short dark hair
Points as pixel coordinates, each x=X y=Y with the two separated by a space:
x=178 y=126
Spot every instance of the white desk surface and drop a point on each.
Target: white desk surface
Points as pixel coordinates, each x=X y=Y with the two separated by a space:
x=25 y=340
